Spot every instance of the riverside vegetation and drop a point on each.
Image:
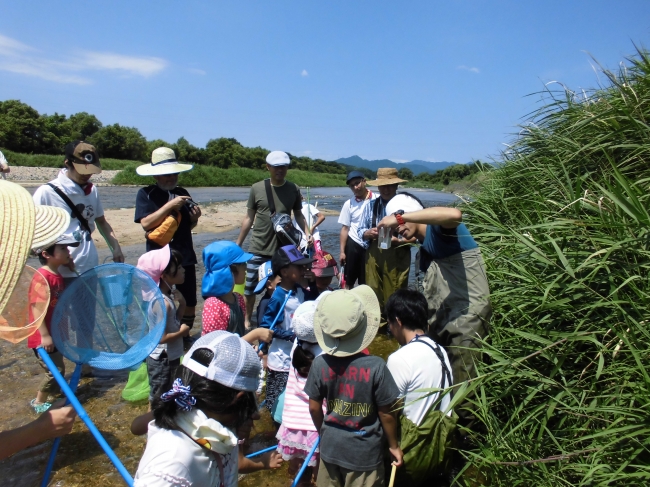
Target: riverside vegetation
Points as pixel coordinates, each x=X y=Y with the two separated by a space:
x=564 y=227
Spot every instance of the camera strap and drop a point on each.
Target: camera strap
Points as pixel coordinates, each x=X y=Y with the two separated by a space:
x=269 y=196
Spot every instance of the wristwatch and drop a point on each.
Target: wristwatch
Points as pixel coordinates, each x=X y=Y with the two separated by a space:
x=398 y=216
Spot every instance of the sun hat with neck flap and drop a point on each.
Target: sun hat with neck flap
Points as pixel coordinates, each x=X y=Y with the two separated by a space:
x=217 y=259
x=21 y=226
x=163 y=162
x=346 y=321
x=386 y=176
x=154 y=262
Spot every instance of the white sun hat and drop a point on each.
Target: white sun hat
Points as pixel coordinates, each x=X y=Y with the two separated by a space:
x=278 y=158
x=163 y=162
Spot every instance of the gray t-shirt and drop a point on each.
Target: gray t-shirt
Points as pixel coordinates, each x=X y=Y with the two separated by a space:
x=286 y=199
x=354 y=387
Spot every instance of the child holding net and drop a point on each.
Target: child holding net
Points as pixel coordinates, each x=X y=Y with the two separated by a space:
x=52 y=257
x=164 y=266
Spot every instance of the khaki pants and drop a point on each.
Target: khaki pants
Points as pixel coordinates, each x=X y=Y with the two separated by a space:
x=387 y=271
x=49 y=385
x=457 y=293
x=330 y=475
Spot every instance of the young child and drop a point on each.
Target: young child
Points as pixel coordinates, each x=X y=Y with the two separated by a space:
x=290 y=265
x=199 y=422
x=325 y=269
x=359 y=389
x=297 y=434
x=225 y=266
x=164 y=267
x=52 y=257
x=266 y=282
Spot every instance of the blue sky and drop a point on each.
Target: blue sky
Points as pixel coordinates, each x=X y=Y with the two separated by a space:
x=400 y=80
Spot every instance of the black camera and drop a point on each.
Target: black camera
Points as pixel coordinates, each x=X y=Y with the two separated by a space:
x=190 y=203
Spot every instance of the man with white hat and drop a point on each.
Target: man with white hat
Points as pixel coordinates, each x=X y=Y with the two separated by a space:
x=73 y=191
x=160 y=203
x=264 y=241
x=387 y=270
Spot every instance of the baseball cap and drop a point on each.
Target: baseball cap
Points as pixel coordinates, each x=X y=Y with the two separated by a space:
x=234 y=364
x=287 y=255
x=325 y=265
x=402 y=202
x=263 y=273
x=278 y=158
x=63 y=239
x=84 y=157
x=354 y=174
x=303 y=322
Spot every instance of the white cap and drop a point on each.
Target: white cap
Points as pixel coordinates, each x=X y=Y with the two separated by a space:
x=235 y=364
x=402 y=202
x=278 y=158
x=303 y=322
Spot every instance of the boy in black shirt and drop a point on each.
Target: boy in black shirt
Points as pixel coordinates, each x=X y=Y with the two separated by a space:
x=359 y=389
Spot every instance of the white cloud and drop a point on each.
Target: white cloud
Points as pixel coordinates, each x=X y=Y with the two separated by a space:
x=304 y=73
x=400 y=161
x=197 y=71
x=470 y=69
x=20 y=58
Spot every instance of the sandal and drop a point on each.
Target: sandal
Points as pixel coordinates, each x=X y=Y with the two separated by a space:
x=41 y=407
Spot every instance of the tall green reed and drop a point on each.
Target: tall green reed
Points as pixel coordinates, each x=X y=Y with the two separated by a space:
x=564 y=227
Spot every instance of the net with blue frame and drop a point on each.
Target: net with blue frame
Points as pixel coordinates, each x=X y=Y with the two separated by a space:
x=111 y=317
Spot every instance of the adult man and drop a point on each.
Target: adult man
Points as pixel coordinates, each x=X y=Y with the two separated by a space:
x=455 y=285
x=73 y=191
x=353 y=251
x=386 y=269
x=313 y=217
x=4 y=166
x=264 y=242
x=419 y=365
x=163 y=201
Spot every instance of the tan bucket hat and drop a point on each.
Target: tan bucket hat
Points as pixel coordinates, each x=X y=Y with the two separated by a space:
x=386 y=176
x=163 y=162
x=346 y=321
x=21 y=224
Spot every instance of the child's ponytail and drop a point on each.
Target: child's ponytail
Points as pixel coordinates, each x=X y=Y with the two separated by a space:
x=302 y=360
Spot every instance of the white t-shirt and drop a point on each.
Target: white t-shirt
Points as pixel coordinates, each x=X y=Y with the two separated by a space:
x=279 y=358
x=85 y=256
x=351 y=215
x=309 y=212
x=415 y=366
x=172 y=459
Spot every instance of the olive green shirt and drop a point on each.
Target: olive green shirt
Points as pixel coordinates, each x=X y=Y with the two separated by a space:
x=286 y=198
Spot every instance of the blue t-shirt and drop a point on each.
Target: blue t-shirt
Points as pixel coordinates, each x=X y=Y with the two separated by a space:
x=441 y=242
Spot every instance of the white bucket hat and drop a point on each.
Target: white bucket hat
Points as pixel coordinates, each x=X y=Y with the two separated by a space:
x=346 y=321
x=235 y=364
x=163 y=162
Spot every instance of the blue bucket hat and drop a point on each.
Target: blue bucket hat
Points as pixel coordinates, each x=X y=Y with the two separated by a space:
x=217 y=259
x=263 y=273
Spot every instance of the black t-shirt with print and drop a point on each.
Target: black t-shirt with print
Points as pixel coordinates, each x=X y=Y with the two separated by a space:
x=354 y=387
x=151 y=199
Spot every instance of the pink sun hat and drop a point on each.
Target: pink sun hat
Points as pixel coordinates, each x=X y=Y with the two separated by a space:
x=155 y=262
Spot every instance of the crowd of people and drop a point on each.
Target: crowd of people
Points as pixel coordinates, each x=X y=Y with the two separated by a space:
x=358 y=414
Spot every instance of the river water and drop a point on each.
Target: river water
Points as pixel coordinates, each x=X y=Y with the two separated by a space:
x=80 y=461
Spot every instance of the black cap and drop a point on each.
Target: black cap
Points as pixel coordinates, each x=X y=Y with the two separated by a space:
x=287 y=255
x=354 y=174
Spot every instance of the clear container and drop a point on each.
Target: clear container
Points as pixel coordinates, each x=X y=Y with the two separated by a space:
x=385 y=235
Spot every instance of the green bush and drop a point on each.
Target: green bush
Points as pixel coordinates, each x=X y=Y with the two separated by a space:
x=564 y=228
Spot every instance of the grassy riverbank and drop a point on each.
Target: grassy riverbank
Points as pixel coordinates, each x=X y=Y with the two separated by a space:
x=564 y=226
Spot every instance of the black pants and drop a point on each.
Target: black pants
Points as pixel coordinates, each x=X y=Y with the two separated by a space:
x=355 y=263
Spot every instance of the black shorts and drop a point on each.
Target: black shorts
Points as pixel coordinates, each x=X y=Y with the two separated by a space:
x=188 y=288
x=355 y=263
x=162 y=372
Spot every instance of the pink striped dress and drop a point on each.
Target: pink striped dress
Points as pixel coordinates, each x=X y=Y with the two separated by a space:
x=297 y=434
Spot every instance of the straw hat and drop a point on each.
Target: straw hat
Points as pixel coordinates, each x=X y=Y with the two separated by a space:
x=386 y=176
x=163 y=162
x=49 y=220
x=19 y=217
x=346 y=321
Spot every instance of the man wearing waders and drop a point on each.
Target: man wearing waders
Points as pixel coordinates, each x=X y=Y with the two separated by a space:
x=387 y=270
x=455 y=283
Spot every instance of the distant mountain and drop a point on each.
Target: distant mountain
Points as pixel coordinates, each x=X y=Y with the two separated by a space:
x=416 y=166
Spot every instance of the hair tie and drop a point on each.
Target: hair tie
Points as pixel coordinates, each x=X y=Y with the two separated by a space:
x=181 y=395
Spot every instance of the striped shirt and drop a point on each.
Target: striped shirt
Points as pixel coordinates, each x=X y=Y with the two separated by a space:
x=295 y=414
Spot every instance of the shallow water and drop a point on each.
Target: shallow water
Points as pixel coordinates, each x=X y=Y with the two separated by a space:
x=80 y=461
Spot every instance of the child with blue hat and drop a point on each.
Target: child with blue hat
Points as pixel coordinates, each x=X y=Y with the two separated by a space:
x=225 y=266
